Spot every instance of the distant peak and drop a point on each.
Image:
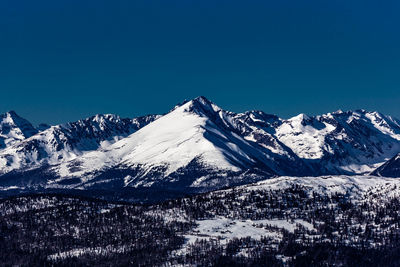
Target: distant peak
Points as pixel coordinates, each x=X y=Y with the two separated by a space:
x=11 y=114
x=300 y=117
x=362 y=111
x=199 y=100
x=199 y=105
x=202 y=99
x=202 y=103
x=377 y=114
x=107 y=115
x=99 y=118
x=261 y=115
x=354 y=112
x=11 y=120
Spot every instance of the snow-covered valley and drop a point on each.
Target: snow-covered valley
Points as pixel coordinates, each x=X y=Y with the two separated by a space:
x=331 y=220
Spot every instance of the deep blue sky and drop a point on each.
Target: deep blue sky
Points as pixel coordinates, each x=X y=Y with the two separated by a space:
x=68 y=59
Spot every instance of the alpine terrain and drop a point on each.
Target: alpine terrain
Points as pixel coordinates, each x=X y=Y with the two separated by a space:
x=195 y=147
x=201 y=186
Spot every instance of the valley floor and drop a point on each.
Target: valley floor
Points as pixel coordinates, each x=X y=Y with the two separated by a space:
x=284 y=221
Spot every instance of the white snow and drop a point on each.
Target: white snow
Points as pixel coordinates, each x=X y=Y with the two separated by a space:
x=380 y=122
x=305 y=140
x=173 y=140
x=13 y=129
x=225 y=229
x=196 y=131
x=228 y=228
x=366 y=150
x=354 y=186
x=66 y=142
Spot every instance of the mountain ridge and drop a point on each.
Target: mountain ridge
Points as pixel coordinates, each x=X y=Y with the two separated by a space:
x=198 y=147
x=66 y=141
x=390 y=168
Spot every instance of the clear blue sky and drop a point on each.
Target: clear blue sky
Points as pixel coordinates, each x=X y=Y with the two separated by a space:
x=68 y=59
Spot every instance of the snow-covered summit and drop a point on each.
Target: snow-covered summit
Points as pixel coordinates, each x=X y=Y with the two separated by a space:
x=13 y=128
x=189 y=135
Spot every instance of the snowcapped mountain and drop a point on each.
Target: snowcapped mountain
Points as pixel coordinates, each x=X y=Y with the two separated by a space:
x=187 y=147
x=197 y=146
x=13 y=129
x=67 y=141
x=352 y=142
x=391 y=168
x=257 y=127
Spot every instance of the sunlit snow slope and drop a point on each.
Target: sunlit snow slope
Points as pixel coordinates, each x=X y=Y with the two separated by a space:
x=197 y=146
x=64 y=142
x=184 y=138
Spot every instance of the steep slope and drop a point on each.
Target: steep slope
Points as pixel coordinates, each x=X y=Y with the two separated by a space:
x=67 y=141
x=342 y=142
x=257 y=128
x=13 y=129
x=391 y=168
x=185 y=148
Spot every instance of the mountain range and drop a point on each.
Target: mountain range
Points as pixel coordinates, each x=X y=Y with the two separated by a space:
x=195 y=147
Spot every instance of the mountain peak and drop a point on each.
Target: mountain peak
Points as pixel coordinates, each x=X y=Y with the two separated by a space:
x=202 y=99
x=300 y=118
x=99 y=118
x=360 y=111
x=339 y=111
x=10 y=115
x=390 y=168
x=13 y=128
x=11 y=118
x=200 y=105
